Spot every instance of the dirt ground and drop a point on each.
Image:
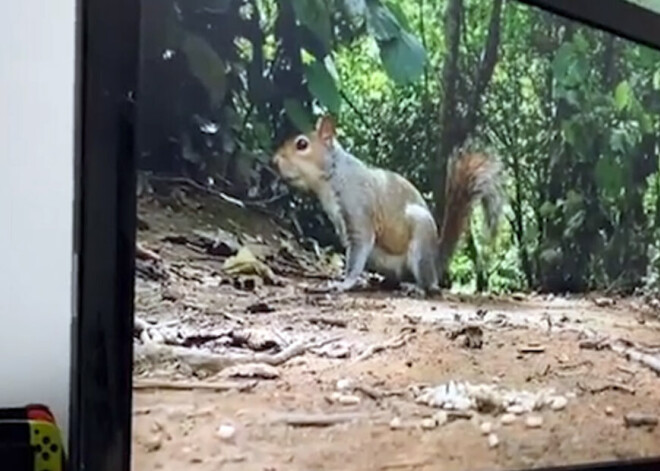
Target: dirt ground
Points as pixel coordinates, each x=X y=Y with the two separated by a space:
x=366 y=360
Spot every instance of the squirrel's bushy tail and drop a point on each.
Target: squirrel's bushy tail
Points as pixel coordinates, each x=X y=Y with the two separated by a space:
x=471 y=176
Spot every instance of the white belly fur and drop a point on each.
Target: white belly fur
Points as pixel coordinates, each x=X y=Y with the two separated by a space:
x=388 y=265
x=396 y=266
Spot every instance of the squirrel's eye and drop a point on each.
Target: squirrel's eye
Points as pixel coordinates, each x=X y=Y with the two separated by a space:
x=301 y=143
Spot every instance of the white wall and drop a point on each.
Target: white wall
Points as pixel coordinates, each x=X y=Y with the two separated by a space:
x=37 y=40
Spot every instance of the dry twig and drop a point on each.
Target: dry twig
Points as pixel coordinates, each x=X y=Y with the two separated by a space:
x=650 y=361
x=215 y=362
x=145 y=384
x=144 y=253
x=318 y=420
x=330 y=321
x=396 y=342
x=608 y=387
x=637 y=419
x=376 y=394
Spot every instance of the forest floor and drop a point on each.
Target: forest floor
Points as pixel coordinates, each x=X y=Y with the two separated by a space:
x=240 y=371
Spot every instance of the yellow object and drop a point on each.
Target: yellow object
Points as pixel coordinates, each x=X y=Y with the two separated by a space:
x=47 y=443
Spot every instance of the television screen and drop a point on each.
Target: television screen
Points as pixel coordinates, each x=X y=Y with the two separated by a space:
x=393 y=234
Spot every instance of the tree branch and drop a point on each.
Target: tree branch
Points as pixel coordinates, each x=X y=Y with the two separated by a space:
x=450 y=75
x=485 y=70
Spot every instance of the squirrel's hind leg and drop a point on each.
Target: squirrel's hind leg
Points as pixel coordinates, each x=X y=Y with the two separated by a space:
x=422 y=251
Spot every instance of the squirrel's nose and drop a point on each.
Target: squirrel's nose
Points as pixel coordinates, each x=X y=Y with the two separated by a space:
x=276 y=160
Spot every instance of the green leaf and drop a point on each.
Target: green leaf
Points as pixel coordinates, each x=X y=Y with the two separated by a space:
x=331 y=67
x=574 y=223
x=298 y=115
x=206 y=66
x=568 y=132
x=646 y=123
x=618 y=141
x=609 y=176
x=656 y=80
x=570 y=95
x=562 y=61
x=322 y=86
x=573 y=198
x=581 y=43
x=397 y=11
x=262 y=134
x=314 y=15
x=381 y=23
x=403 y=58
x=232 y=118
x=622 y=96
x=547 y=209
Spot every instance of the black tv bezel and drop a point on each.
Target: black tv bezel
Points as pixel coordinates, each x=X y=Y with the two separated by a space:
x=107 y=64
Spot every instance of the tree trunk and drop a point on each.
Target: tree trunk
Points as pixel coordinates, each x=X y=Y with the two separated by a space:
x=479 y=269
x=518 y=224
x=450 y=76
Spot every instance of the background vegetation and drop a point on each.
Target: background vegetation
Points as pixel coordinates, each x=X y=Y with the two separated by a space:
x=573 y=112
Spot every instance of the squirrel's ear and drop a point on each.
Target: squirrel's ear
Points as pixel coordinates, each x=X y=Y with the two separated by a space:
x=325 y=128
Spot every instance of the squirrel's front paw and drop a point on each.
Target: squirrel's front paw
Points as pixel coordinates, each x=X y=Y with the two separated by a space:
x=338 y=286
x=334 y=287
x=342 y=286
x=330 y=287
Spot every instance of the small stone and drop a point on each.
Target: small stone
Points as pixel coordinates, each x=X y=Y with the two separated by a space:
x=153 y=443
x=396 y=424
x=156 y=337
x=516 y=409
x=486 y=428
x=348 y=400
x=460 y=415
x=638 y=419
x=226 y=432
x=171 y=293
x=252 y=370
x=429 y=423
x=609 y=410
x=145 y=338
x=603 y=302
x=462 y=403
x=344 y=384
x=493 y=441
x=534 y=421
x=156 y=426
x=441 y=418
x=507 y=419
x=558 y=403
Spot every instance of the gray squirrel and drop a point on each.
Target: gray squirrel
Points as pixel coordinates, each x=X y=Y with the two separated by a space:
x=380 y=217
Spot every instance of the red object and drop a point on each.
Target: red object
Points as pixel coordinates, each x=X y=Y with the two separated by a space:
x=39 y=412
